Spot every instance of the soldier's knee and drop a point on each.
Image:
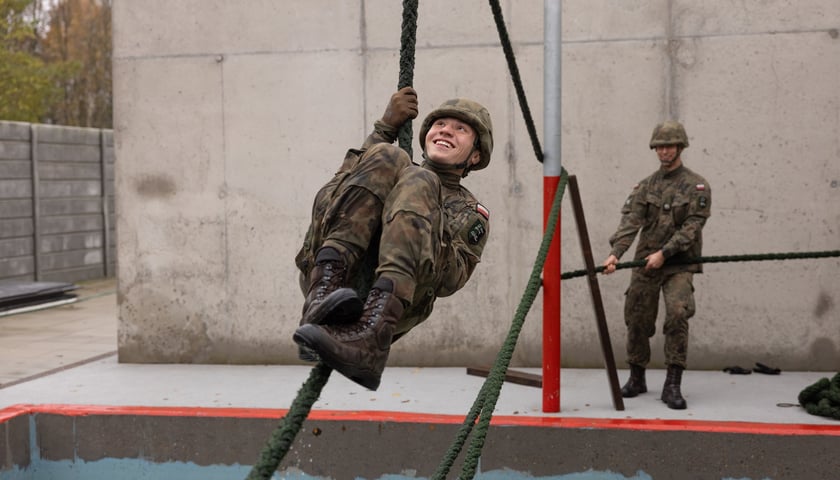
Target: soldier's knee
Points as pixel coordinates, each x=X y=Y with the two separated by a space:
x=389 y=155
x=421 y=176
x=682 y=310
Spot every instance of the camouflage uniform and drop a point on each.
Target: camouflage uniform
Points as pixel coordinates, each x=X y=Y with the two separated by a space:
x=670 y=208
x=388 y=216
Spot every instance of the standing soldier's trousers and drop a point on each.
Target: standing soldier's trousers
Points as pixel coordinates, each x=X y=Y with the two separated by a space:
x=381 y=212
x=642 y=305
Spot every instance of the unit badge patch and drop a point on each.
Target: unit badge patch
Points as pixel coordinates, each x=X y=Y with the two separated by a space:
x=476 y=232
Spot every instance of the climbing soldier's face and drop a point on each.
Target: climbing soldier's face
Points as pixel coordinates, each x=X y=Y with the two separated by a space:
x=450 y=141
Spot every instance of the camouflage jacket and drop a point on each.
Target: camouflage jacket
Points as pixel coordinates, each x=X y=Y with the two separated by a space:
x=670 y=209
x=463 y=235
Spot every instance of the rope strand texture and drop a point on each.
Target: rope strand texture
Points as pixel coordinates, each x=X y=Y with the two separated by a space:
x=408 y=40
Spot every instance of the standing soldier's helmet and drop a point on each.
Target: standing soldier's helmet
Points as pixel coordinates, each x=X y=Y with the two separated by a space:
x=472 y=113
x=669 y=133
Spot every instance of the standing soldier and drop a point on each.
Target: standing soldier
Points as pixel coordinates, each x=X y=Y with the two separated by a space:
x=397 y=233
x=670 y=208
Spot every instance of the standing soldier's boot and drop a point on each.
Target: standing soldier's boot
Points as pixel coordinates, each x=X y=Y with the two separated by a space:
x=671 y=390
x=358 y=350
x=636 y=383
x=327 y=301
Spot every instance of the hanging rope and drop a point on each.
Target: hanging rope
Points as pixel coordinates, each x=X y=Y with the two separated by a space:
x=517 y=81
x=407 y=43
x=496 y=378
x=283 y=436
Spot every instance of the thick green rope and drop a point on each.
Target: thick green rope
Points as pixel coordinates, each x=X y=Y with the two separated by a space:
x=515 y=77
x=715 y=259
x=489 y=394
x=283 y=436
x=407 y=44
x=822 y=398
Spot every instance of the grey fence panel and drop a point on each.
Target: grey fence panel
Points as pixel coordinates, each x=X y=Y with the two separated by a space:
x=16 y=228
x=56 y=203
x=10 y=169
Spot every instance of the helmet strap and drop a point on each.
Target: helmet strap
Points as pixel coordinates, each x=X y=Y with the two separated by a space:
x=444 y=166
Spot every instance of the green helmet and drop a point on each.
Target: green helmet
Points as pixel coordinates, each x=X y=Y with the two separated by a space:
x=472 y=113
x=669 y=133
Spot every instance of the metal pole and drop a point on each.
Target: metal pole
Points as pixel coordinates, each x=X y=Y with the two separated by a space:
x=551 y=179
x=36 y=202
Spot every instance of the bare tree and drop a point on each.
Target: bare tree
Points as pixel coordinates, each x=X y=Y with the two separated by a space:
x=79 y=39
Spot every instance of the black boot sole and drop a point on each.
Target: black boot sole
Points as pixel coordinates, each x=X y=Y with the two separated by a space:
x=311 y=337
x=340 y=306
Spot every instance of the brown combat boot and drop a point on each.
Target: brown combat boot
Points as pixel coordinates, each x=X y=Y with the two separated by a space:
x=671 y=390
x=358 y=350
x=327 y=301
x=636 y=383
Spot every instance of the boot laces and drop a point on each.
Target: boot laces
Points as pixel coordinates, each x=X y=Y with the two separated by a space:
x=372 y=309
x=331 y=280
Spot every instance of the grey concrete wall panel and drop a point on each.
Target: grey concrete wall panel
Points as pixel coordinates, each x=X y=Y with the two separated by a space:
x=15 y=247
x=185 y=245
x=15 y=188
x=15 y=208
x=342 y=449
x=63 y=214
x=17 y=227
x=227 y=124
x=17 y=268
x=14 y=131
x=63 y=135
x=15 y=169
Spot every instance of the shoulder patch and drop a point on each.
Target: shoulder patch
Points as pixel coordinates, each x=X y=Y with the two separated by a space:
x=700 y=187
x=477 y=231
x=482 y=210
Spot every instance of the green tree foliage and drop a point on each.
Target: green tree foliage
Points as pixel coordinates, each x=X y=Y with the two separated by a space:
x=55 y=64
x=27 y=82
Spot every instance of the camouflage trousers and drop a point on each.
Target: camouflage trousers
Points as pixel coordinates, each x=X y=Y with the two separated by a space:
x=641 y=307
x=384 y=214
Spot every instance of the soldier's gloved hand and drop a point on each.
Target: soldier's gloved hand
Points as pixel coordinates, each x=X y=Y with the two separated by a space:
x=401 y=107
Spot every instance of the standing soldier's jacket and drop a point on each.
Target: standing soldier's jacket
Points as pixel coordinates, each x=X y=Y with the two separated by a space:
x=670 y=208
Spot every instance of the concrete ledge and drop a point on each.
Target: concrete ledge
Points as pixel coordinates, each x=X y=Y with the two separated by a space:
x=370 y=444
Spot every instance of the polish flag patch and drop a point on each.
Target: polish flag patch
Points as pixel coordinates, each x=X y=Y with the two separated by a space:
x=482 y=210
x=700 y=187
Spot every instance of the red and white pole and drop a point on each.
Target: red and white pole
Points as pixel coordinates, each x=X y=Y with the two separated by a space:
x=551 y=179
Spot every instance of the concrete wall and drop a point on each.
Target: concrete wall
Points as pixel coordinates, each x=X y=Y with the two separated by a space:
x=56 y=203
x=230 y=115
